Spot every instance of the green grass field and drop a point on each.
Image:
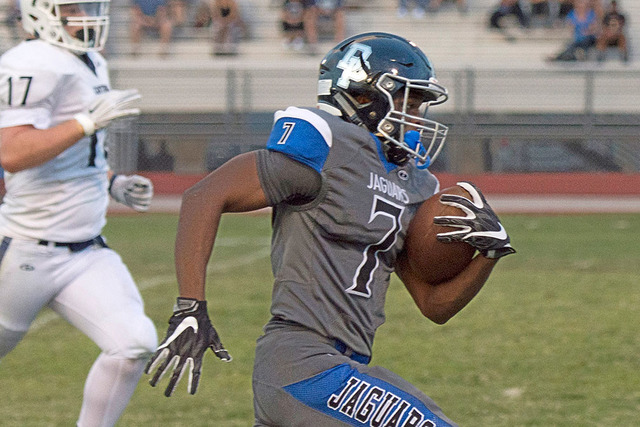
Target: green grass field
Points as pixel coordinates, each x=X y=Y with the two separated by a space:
x=552 y=340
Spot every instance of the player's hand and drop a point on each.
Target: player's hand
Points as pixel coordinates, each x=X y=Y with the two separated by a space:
x=106 y=107
x=189 y=336
x=134 y=191
x=481 y=227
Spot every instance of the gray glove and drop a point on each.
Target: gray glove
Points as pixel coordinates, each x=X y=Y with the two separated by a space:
x=134 y=191
x=106 y=107
x=189 y=336
x=481 y=227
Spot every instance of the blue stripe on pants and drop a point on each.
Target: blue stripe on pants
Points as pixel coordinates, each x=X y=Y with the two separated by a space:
x=358 y=399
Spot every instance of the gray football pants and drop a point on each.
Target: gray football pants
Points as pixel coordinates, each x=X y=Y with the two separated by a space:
x=301 y=379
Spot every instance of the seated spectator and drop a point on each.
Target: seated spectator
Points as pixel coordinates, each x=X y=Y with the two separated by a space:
x=150 y=14
x=12 y=17
x=154 y=156
x=434 y=5
x=564 y=7
x=508 y=8
x=613 y=33
x=419 y=10
x=227 y=23
x=311 y=25
x=332 y=12
x=299 y=24
x=541 y=12
x=292 y=18
x=179 y=12
x=584 y=23
x=598 y=8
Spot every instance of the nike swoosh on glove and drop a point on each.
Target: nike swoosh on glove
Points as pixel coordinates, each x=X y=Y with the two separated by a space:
x=189 y=336
x=480 y=227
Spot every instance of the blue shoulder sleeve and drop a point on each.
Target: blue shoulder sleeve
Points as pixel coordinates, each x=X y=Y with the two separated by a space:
x=301 y=135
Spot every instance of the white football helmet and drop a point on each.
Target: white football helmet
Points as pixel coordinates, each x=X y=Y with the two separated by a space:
x=80 y=26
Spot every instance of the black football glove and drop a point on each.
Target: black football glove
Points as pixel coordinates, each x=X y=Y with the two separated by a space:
x=189 y=336
x=481 y=227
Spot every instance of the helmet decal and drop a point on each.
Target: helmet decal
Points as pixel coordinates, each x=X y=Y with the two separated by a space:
x=354 y=65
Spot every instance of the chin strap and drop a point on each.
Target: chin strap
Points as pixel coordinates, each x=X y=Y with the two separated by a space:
x=412 y=139
x=395 y=154
x=348 y=109
x=334 y=111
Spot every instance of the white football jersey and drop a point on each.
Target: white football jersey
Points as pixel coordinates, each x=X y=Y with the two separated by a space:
x=64 y=199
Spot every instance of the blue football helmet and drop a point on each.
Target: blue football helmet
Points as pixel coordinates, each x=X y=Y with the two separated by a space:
x=385 y=83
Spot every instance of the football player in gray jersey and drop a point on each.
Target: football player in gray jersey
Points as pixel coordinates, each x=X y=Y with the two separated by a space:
x=55 y=103
x=344 y=180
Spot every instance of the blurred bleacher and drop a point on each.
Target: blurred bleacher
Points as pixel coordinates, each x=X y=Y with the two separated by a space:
x=483 y=69
x=450 y=38
x=259 y=78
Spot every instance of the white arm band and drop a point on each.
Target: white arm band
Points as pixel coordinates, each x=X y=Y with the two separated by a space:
x=87 y=124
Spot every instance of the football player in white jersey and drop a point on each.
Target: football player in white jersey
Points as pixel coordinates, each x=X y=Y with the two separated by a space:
x=56 y=102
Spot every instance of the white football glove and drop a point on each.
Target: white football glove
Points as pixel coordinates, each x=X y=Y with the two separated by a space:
x=106 y=107
x=134 y=191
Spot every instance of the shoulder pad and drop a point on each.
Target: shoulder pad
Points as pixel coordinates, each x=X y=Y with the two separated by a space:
x=302 y=135
x=314 y=119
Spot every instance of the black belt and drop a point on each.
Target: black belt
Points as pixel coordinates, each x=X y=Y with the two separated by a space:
x=337 y=344
x=76 y=246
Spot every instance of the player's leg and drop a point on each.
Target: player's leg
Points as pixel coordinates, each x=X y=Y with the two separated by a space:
x=24 y=288
x=281 y=359
x=301 y=379
x=405 y=404
x=9 y=338
x=103 y=302
x=358 y=395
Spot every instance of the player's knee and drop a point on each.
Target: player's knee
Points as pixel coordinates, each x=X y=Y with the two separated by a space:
x=9 y=339
x=138 y=340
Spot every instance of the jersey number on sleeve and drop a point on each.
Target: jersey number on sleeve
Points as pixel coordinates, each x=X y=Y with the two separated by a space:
x=288 y=127
x=19 y=83
x=364 y=273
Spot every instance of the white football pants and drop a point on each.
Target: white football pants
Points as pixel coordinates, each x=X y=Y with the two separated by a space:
x=94 y=291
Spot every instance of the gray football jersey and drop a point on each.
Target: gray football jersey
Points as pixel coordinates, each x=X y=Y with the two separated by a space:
x=332 y=258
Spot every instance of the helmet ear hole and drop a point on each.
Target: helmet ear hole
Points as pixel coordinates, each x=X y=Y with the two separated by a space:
x=363 y=99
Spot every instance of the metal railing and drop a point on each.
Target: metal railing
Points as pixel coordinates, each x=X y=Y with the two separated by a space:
x=212 y=87
x=579 y=119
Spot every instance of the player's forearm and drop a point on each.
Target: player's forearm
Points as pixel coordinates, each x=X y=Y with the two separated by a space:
x=24 y=147
x=440 y=302
x=197 y=228
x=452 y=296
x=234 y=187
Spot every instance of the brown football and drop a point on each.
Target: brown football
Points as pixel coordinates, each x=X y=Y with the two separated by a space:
x=432 y=260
